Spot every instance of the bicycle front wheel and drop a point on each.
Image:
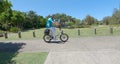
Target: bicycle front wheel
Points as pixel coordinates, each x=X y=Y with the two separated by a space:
x=64 y=37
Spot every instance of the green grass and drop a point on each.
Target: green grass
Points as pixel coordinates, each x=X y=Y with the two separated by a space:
x=24 y=35
x=73 y=33
x=23 y=58
x=89 y=32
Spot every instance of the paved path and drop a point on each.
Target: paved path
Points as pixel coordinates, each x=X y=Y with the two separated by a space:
x=84 y=57
x=83 y=50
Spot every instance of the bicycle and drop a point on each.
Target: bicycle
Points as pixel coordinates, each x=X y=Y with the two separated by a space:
x=48 y=36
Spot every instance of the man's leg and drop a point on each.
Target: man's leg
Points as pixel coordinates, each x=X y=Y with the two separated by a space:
x=53 y=32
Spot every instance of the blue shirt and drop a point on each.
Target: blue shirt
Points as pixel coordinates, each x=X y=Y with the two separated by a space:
x=49 y=23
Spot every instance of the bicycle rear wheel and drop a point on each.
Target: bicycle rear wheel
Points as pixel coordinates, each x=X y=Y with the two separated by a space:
x=47 y=38
x=64 y=37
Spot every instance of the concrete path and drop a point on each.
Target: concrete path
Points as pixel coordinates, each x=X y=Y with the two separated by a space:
x=99 y=50
x=83 y=50
x=84 y=57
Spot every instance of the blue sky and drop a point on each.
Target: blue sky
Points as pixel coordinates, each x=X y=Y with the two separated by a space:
x=75 y=8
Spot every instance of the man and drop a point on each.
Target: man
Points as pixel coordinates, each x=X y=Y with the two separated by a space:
x=50 y=26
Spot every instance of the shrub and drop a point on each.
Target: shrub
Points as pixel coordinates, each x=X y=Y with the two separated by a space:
x=1 y=33
x=83 y=26
x=71 y=27
x=14 y=29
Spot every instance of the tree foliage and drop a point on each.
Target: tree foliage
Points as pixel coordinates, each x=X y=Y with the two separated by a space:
x=64 y=19
x=5 y=14
x=4 y=5
x=89 y=20
x=112 y=20
x=12 y=19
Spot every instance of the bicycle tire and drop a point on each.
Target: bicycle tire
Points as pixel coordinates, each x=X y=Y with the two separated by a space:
x=62 y=36
x=48 y=36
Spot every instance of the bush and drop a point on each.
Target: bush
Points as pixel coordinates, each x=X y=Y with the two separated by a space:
x=83 y=26
x=70 y=23
x=80 y=26
x=14 y=29
x=71 y=27
x=1 y=33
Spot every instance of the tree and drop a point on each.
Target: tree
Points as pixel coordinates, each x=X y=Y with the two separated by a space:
x=5 y=14
x=63 y=18
x=17 y=19
x=89 y=20
x=106 y=20
x=42 y=21
x=116 y=17
x=31 y=19
x=5 y=19
x=4 y=5
x=77 y=22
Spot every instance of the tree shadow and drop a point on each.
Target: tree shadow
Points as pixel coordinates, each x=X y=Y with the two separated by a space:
x=8 y=51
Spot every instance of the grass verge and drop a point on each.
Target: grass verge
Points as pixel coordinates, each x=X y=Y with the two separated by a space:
x=73 y=33
x=23 y=58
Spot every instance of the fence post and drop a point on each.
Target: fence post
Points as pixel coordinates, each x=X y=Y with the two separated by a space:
x=34 y=34
x=19 y=34
x=6 y=35
x=95 y=32
x=111 y=30
x=78 y=31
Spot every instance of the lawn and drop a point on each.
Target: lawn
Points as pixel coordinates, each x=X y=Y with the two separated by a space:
x=23 y=58
x=25 y=35
x=73 y=33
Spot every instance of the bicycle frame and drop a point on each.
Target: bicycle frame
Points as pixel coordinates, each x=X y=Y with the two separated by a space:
x=57 y=35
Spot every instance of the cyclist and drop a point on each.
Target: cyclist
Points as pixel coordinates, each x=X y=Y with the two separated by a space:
x=50 y=25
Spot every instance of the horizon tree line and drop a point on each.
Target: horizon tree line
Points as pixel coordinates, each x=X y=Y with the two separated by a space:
x=10 y=19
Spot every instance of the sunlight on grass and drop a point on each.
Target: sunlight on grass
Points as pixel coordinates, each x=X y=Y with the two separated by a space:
x=73 y=33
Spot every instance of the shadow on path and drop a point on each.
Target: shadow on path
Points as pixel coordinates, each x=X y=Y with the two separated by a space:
x=57 y=42
x=9 y=50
